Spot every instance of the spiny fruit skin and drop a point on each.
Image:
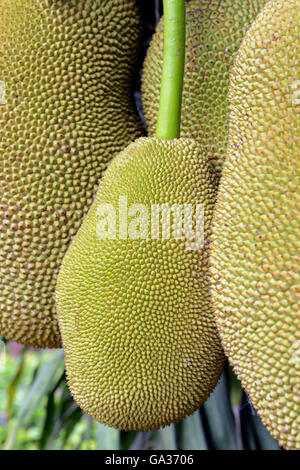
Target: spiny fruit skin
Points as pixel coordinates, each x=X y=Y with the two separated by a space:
x=255 y=249
x=141 y=346
x=67 y=69
x=214 y=31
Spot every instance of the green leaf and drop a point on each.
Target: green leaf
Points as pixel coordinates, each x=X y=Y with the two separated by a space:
x=266 y=441
x=236 y=389
x=255 y=434
x=13 y=386
x=107 y=438
x=142 y=441
x=70 y=422
x=220 y=417
x=68 y=414
x=87 y=434
x=41 y=386
x=165 y=439
x=50 y=415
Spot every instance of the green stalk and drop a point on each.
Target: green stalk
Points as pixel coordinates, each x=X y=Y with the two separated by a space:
x=168 y=121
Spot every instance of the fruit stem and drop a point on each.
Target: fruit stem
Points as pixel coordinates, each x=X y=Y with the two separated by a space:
x=168 y=121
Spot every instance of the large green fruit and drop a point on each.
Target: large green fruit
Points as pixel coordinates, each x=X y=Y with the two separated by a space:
x=214 y=31
x=134 y=308
x=256 y=226
x=66 y=73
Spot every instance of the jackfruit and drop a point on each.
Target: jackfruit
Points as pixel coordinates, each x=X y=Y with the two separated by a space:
x=255 y=249
x=134 y=308
x=214 y=31
x=66 y=77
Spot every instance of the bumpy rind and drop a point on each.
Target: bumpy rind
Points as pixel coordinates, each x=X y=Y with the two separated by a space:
x=214 y=31
x=255 y=249
x=66 y=72
x=141 y=346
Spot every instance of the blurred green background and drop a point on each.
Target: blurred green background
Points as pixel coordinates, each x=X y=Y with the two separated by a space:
x=38 y=412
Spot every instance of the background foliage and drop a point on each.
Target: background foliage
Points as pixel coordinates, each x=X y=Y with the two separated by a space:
x=37 y=412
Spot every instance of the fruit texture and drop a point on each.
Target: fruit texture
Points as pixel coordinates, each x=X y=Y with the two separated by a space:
x=214 y=31
x=134 y=308
x=255 y=249
x=66 y=73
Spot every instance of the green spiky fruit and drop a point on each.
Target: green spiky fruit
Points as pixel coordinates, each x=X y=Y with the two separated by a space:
x=66 y=73
x=255 y=252
x=134 y=309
